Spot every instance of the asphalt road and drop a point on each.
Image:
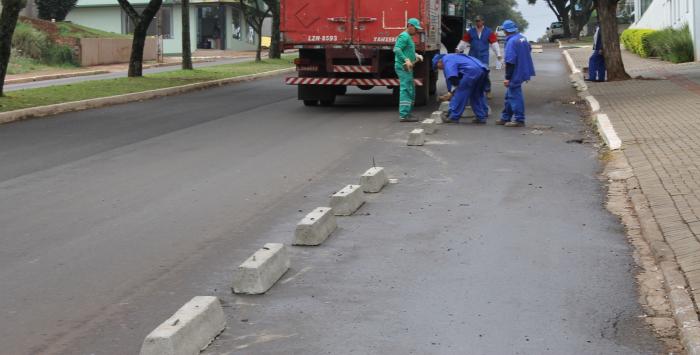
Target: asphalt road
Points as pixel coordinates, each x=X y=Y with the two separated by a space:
x=494 y=240
x=114 y=75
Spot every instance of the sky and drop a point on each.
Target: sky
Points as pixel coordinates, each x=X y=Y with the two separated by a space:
x=540 y=16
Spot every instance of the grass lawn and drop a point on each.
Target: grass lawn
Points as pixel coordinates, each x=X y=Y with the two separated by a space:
x=20 y=99
x=67 y=29
x=21 y=65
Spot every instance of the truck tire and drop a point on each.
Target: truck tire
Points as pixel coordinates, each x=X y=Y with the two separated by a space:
x=433 y=82
x=423 y=92
x=341 y=90
x=328 y=101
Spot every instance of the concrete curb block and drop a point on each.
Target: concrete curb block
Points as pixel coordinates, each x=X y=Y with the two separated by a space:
x=570 y=61
x=606 y=130
x=593 y=104
x=190 y=330
x=261 y=270
x=416 y=137
x=676 y=286
x=315 y=228
x=32 y=79
x=348 y=200
x=437 y=116
x=428 y=125
x=374 y=179
x=49 y=110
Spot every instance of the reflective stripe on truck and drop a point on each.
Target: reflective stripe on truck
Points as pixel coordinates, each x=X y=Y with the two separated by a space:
x=347 y=81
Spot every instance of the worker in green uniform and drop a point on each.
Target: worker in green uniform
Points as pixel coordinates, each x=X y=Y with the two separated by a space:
x=405 y=57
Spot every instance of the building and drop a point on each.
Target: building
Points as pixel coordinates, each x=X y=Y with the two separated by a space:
x=213 y=24
x=658 y=14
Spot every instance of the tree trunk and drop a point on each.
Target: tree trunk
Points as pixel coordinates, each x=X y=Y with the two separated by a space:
x=8 y=21
x=258 y=52
x=275 y=45
x=186 y=45
x=566 y=23
x=141 y=22
x=607 y=13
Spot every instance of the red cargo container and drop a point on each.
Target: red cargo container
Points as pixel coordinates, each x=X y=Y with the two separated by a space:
x=350 y=43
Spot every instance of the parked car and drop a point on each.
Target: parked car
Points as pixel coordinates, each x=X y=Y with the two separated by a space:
x=555 y=31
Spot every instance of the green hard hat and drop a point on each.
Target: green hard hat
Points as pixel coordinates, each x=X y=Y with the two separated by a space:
x=415 y=23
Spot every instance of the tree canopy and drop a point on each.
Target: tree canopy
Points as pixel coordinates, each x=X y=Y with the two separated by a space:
x=495 y=12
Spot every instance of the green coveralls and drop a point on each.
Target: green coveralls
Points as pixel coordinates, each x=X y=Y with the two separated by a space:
x=405 y=48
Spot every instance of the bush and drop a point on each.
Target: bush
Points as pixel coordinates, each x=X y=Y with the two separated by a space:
x=58 y=54
x=637 y=41
x=672 y=45
x=30 y=42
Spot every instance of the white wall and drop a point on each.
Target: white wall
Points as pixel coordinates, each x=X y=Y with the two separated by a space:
x=671 y=13
x=103 y=18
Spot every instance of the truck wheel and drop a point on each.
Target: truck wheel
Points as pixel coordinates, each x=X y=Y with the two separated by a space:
x=310 y=102
x=433 y=82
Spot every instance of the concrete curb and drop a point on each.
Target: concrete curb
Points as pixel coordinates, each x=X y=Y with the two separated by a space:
x=190 y=330
x=416 y=137
x=315 y=228
x=603 y=124
x=42 y=111
x=32 y=79
x=676 y=286
x=606 y=130
x=261 y=270
x=374 y=180
x=348 y=200
x=429 y=125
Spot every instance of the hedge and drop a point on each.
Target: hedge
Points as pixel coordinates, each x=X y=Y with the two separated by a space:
x=670 y=44
x=637 y=41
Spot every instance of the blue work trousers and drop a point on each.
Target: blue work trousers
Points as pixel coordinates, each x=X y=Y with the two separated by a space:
x=470 y=90
x=514 y=105
x=596 y=67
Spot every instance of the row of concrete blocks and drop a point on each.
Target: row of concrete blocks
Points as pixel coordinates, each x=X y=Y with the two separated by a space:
x=428 y=126
x=194 y=326
x=260 y=272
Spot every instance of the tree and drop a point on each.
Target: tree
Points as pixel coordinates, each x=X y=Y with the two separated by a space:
x=275 y=45
x=54 y=9
x=255 y=13
x=8 y=21
x=581 y=11
x=186 y=45
x=561 y=9
x=607 y=14
x=141 y=22
x=496 y=11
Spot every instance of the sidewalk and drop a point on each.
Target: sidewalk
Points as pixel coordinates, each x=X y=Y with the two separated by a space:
x=658 y=122
x=198 y=56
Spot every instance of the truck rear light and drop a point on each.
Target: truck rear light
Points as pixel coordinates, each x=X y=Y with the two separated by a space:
x=307 y=68
x=302 y=61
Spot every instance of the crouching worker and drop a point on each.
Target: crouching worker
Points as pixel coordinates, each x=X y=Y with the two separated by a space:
x=466 y=79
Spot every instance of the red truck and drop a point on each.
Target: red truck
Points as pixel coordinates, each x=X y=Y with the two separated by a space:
x=345 y=43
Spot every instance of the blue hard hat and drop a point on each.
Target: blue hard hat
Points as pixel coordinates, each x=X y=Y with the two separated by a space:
x=509 y=26
x=436 y=59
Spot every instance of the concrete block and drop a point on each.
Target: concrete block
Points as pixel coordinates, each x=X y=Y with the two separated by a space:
x=346 y=201
x=416 y=137
x=315 y=228
x=373 y=180
x=261 y=270
x=428 y=125
x=190 y=330
x=593 y=104
x=438 y=117
x=444 y=106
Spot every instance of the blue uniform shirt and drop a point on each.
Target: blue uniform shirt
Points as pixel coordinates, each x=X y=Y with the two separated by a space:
x=460 y=66
x=518 y=53
x=480 y=46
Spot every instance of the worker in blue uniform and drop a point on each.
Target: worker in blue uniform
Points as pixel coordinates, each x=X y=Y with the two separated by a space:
x=519 y=69
x=478 y=40
x=596 y=64
x=466 y=78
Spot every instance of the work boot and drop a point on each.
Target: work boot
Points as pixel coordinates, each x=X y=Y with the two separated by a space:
x=515 y=124
x=501 y=122
x=409 y=118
